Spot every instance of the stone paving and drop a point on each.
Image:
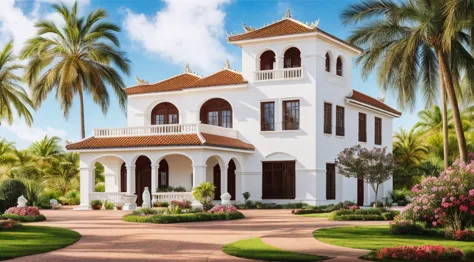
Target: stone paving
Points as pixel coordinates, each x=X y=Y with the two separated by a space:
x=105 y=237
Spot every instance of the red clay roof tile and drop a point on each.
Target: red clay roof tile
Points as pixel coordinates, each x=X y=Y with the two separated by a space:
x=363 y=98
x=175 y=83
x=221 y=78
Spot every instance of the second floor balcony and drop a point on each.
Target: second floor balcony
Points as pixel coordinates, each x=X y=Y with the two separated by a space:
x=279 y=74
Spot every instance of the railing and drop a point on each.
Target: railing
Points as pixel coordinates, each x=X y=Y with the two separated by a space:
x=113 y=197
x=169 y=196
x=279 y=74
x=218 y=130
x=146 y=130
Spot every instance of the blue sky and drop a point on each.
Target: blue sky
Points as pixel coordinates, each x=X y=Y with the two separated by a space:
x=159 y=37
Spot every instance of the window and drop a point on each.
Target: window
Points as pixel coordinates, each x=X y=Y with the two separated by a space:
x=362 y=127
x=266 y=60
x=327 y=118
x=163 y=177
x=160 y=119
x=339 y=66
x=291 y=115
x=217 y=112
x=173 y=118
x=267 y=116
x=213 y=118
x=226 y=118
x=278 y=180
x=328 y=63
x=340 y=121
x=292 y=58
x=330 y=181
x=378 y=131
x=164 y=113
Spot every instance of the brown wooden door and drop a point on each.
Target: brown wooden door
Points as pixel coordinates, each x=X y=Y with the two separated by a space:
x=360 y=192
x=278 y=180
x=123 y=178
x=217 y=182
x=142 y=177
x=231 y=179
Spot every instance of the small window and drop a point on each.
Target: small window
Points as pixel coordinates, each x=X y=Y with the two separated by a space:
x=378 y=131
x=173 y=118
x=328 y=62
x=213 y=118
x=267 y=116
x=226 y=118
x=327 y=118
x=330 y=181
x=340 y=131
x=291 y=115
x=362 y=127
x=163 y=177
x=339 y=66
x=160 y=119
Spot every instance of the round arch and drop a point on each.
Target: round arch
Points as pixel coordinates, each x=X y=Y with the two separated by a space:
x=267 y=60
x=292 y=57
x=340 y=66
x=142 y=176
x=97 y=159
x=217 y=112
x=328 y=61
x=214 y=173
x=151 y=106
x=164 y=113
x=279 y=156
x=172 y=154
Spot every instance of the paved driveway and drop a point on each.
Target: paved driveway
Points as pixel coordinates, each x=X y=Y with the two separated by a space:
x=106 y=237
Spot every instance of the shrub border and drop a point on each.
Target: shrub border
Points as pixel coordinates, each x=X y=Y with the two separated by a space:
x=23 y=219
x=182 y=218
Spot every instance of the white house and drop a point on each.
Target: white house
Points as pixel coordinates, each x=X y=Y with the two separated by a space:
x=273 y=129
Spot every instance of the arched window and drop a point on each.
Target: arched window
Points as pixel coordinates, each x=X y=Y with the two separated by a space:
x=328 y=62
x=339 y=66
x=163 y=174
x=216 y=112
x=164 y=114
x=266 y=60
x=292 y=58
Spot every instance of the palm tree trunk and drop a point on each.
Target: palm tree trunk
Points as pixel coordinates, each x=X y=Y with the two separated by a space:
x=444 y=116
x=81 y=104
x=449 y=88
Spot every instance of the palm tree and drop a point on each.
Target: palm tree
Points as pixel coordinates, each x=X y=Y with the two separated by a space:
x=12 y=95
x=75 y=59
x=46 y=149
x=408 y=147
x=406 y=42
x=431 y=120
x=61 y=172
x=23 y=165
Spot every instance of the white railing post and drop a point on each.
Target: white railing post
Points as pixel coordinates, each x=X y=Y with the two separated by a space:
x=279 y=74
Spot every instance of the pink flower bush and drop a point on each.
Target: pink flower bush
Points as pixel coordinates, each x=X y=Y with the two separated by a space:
x=447 y=200
x=7 y=224
x=219 y=209
x=181 y=204
x=420 y=253
x=353 y=207
x=461 y=235
x=23 y=211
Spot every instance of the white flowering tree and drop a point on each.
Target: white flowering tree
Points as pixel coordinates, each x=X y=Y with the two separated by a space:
x=373 y=166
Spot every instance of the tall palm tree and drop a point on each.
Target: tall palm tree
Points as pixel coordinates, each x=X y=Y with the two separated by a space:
x=46 y=149
x=61 y=172
x=76 y=59
x=431 y=120
x=12 y=95
x=406 y=42
x=408 y=147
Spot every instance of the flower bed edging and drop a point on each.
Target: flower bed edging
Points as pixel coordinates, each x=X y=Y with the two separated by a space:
x=182 y=218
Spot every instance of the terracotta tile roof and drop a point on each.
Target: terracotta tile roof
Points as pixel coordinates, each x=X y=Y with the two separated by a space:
x=363 y=98
x=221 y=78
x=175 y=83
x=159 y=141
x=284 y=27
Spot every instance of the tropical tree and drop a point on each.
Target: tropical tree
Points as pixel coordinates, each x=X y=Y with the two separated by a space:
x=12 y=95
x=23 y=165
x=431 y=120
x=408 y=148
x=204 y=193
x=77 y=58
x=61 y=172
x=406 y=42
x=46 y=149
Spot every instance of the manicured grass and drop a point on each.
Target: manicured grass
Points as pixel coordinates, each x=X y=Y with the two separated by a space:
x=376 y=237
x=255 y=248
x=30 y=240
x=319 y=215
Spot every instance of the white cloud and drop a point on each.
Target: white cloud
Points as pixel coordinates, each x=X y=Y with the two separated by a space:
x=183 y=32
x=33 y=134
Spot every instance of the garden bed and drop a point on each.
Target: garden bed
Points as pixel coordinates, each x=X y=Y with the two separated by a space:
x=23 y=219
x=371 y=214
x=182 y=218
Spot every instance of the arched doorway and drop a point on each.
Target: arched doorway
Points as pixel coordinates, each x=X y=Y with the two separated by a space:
x=142 y=177
x=267 y=59
x=163 y=174
x=123 y=178
x=292 y=58
x=216 y=112
x=217 y=181
x=164 y=114
x=231 y=179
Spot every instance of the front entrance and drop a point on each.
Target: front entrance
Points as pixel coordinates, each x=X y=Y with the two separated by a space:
x=217 y=182
x=142 y=177
x=360 y=192
x=123 y=178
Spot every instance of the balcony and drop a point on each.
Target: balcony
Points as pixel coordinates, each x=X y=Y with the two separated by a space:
x=173 y=129
x=279 y=74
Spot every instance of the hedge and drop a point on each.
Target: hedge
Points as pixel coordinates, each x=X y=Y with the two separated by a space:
x=19 y=218
x=371 y=214
x=181 y=218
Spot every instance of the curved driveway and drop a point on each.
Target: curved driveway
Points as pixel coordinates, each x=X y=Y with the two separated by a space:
x=106 y=237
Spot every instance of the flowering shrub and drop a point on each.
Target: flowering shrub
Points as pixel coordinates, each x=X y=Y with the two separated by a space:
x=461 y=235
x=23 y=211
x=182 y=204
x=420 y=253
x=7 y=224
x=353 y=207
x=407 y=227
x=218 y=209
x=447 y=200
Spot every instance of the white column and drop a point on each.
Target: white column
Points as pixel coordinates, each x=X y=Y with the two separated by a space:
x=199 y=176
x=154 y=178
x=130 y=180
x=87 y=186
x=224 y=179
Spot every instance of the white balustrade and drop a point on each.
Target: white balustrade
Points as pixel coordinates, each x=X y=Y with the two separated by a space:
x=169 y=196
x=218 y=130
x=146 y=130
x=113 y=197
x=279 y=74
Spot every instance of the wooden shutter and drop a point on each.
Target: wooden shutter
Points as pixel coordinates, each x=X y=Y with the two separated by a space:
x=340 y=126
x=378 y=131
x=330 y=181
x=327 y=118
x=362 y=127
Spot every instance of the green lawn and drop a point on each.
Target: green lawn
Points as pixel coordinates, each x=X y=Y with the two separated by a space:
x=255 y=248
x=376 y=237
x=319 y=215
x=29 y=240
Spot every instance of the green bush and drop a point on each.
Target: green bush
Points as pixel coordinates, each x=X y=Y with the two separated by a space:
x=160 y=204
x=2 y=206
x=399 y=196
x=468 y=254
x=145 y=211
x=171 y=189
x=363 y=214
x=71 y=198
x=307 y=211
x=19 y=218
x=182 y=218
x=10 y=191
x=408 y=227
x=99 y=187
x=109 y=205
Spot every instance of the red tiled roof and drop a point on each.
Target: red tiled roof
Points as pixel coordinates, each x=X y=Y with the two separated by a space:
x=221 y=78
x=284 y=27
x=175 y=83
x=363 y=98
x=159 y=141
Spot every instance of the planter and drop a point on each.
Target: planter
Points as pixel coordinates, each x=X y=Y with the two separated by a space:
x=130 y=202
x=96 y=207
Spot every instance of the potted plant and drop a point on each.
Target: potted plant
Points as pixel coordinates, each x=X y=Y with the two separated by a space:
x=96 y=204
